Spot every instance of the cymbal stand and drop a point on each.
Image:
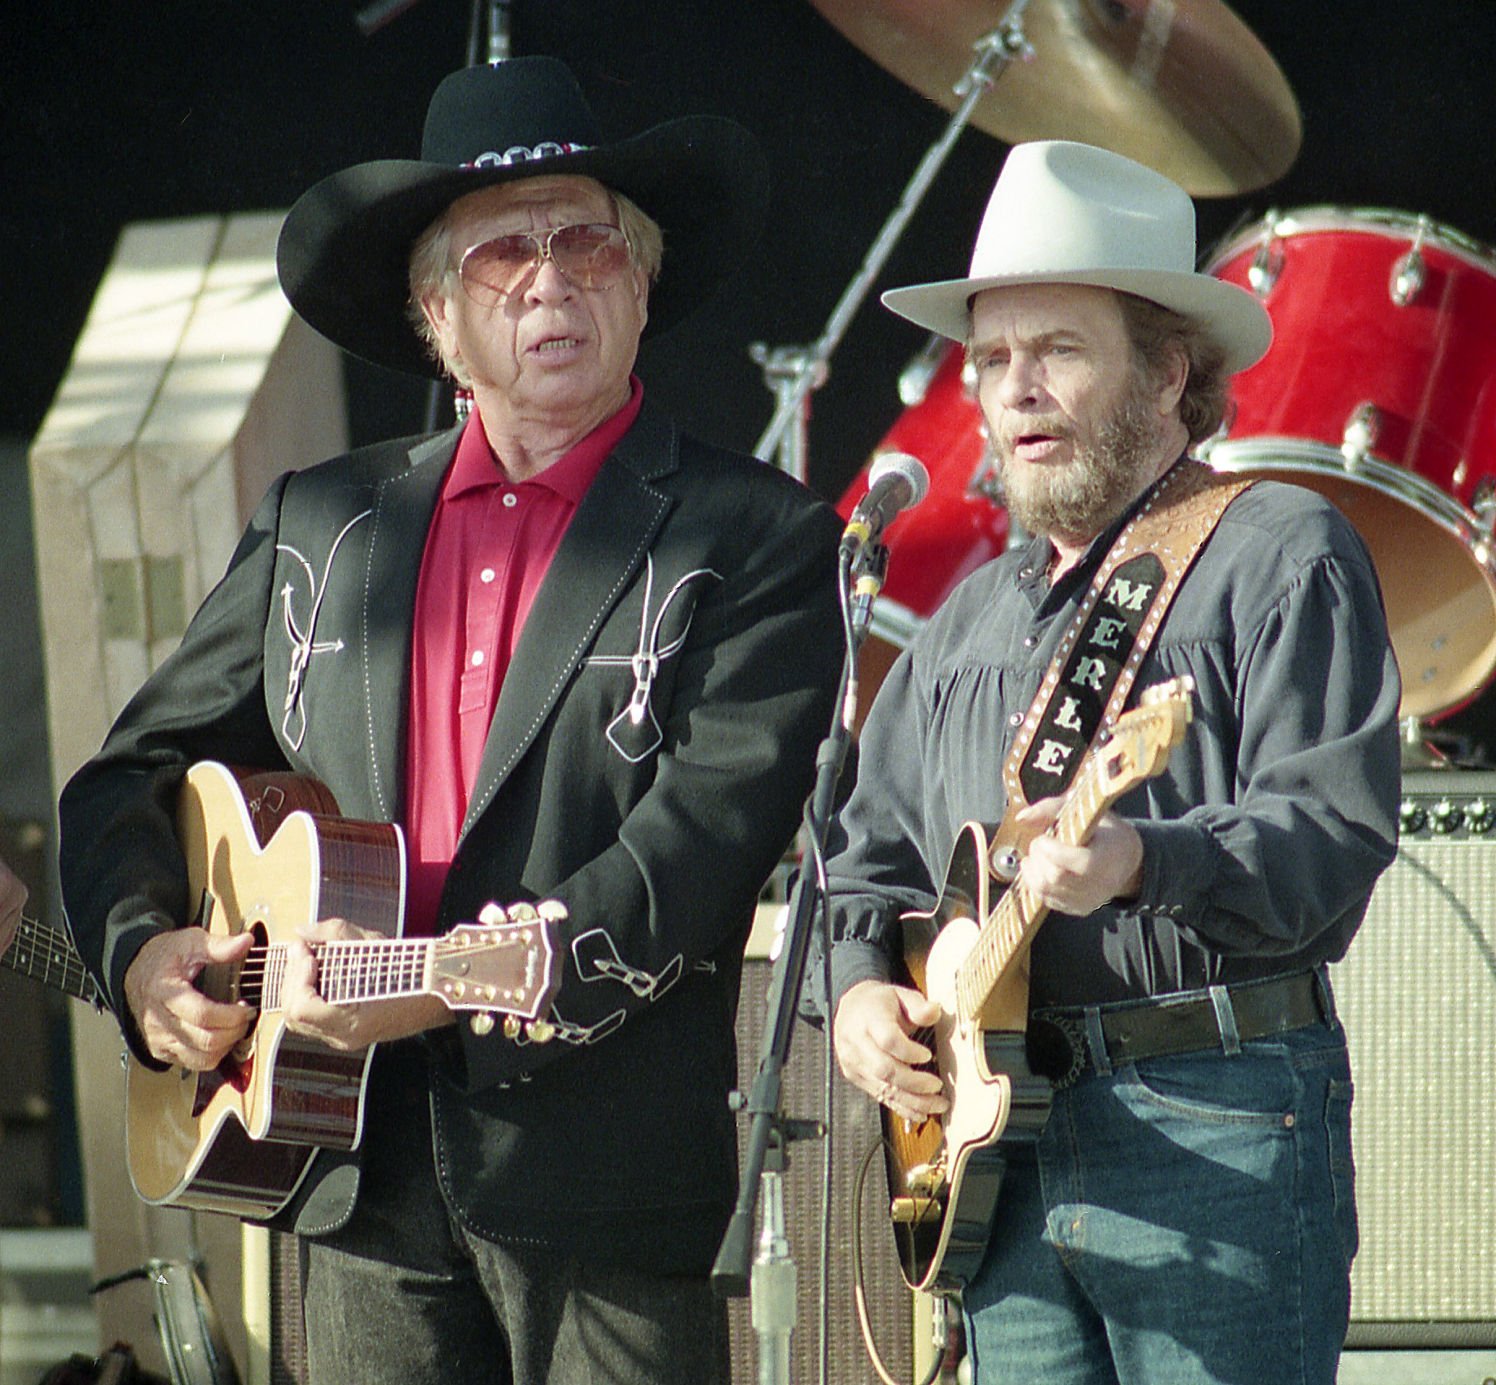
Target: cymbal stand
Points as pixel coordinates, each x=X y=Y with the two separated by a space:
x=1419 y=749
x=793 y=372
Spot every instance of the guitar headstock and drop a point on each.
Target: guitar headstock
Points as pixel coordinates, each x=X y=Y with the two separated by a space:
x=1139 y=745
x=503 y=965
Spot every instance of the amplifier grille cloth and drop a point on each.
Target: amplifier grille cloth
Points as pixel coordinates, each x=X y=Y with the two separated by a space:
x=1417 y=992
x=855 y=1127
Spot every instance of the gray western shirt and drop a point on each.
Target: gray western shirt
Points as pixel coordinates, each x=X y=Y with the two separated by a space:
x=1263 y=836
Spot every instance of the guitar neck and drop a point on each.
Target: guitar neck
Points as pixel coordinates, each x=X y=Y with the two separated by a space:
x=46 y=954
x=1012 y=924
x=350 y=972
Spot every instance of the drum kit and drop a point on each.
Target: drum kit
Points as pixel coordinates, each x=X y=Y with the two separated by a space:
x=1377 y=393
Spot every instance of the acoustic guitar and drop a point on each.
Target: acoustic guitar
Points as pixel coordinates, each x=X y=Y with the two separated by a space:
x=970 y=956
x=265 y=854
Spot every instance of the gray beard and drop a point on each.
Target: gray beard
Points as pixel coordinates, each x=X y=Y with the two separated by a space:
x=1078 y=501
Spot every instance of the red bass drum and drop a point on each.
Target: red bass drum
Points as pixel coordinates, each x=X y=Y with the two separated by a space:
x=1379 y=391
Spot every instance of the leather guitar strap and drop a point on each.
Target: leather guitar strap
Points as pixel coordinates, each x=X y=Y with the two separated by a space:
x=1092 y=672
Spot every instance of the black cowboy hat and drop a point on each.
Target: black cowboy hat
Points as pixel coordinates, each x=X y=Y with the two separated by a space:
x=344 y=251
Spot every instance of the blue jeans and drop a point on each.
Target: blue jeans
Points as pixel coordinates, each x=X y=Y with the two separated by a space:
x=1182 y=1220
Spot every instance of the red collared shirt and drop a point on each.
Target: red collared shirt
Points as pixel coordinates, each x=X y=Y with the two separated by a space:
x=487 y=552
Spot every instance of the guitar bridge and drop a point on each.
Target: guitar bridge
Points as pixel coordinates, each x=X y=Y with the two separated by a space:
x=914 y=1211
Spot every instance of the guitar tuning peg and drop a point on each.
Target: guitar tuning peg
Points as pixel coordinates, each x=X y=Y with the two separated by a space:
x=552 y=910
x=540 y=1031
x=491 y=913
x=522 y=913
x=482 y=1023
x=512 y=1027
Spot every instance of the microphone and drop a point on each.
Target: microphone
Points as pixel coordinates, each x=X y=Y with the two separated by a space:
x=896 y=483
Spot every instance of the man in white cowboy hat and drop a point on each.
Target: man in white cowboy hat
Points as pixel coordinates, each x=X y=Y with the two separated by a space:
x=1178 y=1207
x=578 y=657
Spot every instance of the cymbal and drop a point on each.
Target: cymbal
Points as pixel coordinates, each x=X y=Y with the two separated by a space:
x=1180 y=85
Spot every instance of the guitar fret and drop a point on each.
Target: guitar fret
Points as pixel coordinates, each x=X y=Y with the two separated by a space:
x=995 y=944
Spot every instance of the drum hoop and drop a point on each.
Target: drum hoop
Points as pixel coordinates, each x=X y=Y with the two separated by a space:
x=1283 y=455
x=1331 y=217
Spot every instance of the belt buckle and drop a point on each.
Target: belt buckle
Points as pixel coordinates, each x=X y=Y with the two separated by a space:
x=1073 y=1031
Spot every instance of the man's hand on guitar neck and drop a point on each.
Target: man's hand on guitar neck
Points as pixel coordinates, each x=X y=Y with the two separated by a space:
x=177 y=1021
x=348 y=1028
x=872 y=1032
x=1079 y=879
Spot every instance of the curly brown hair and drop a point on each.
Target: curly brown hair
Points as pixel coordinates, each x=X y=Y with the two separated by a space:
x=1156 y=332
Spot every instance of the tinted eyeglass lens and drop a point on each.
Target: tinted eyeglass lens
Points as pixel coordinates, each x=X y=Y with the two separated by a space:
x=590 y=257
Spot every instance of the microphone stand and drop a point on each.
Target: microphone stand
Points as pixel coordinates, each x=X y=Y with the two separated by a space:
x=770 y=1133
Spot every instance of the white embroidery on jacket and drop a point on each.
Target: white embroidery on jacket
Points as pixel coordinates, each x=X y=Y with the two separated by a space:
x=596 y=957
x=568 y=1033
x=304 y=642
x=645 y=663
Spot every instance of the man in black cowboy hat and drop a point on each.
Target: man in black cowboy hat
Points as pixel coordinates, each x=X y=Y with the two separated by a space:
x=579 y=657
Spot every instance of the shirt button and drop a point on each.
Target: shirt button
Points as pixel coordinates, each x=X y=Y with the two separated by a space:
x=1016 y=719
x=1030 y=641
x=510 y=500
x=477 y=657
x=487 y=575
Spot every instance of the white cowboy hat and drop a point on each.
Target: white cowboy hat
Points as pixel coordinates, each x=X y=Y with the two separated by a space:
x=1065 y=213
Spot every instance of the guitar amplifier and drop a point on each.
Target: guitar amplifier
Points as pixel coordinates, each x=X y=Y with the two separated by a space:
x=1417 y=992
x=855 y=1127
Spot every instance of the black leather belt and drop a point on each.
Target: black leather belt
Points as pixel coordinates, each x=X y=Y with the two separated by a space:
x=1186 y=1022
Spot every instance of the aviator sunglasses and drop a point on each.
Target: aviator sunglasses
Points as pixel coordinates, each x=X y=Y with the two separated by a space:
x=591 y=256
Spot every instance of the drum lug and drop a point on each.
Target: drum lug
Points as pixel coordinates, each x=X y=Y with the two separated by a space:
x=1362 y=429
x=986 y=483
x=1483 y=503
x=1267 y=265
x=1410 y=272
x=914 y=379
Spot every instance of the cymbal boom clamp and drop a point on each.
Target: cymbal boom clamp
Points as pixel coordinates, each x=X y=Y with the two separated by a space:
x=792 y=373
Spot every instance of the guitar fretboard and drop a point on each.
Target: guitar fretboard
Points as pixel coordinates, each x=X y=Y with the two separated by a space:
x=347 y=972
x=1018 y=913
x=46 y=954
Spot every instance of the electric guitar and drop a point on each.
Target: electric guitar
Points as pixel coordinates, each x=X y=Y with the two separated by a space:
x=944 y=1173
x=266 y=854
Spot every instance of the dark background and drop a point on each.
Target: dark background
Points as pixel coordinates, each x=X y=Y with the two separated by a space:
x=117 y=113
